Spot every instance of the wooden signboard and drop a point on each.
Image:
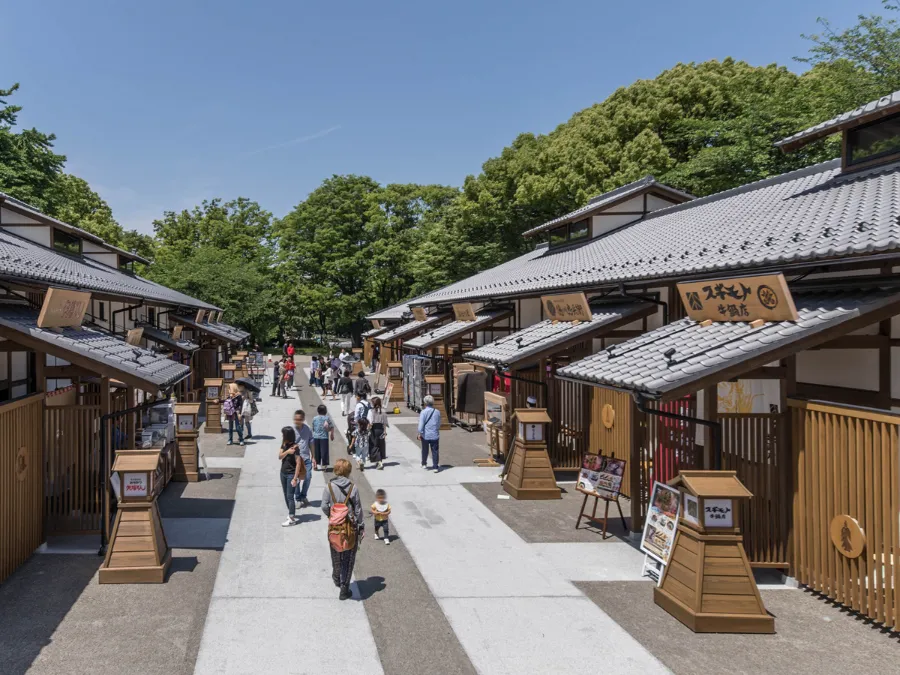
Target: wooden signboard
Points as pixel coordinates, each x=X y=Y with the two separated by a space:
x=63 y=308
x=134 y=337
x=176 y=332
x=376 y=323
x=219 y=316
x=765 y=298
x=464 y=311
x=600 y=478
x=566 y=307
x=419 y=313
x=200 y=314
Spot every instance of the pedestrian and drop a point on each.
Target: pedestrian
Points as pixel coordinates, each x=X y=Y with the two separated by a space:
x=323 y=429
x=336 y=363
x=376 y=353
x=248 y=410
x=429 y=433
x=276 y=378
x=344 y=355
x=232 y=409
x=289 y=367
x=335 y=376
x=361 y=445
x=303 y=437
x=343 y=508
x=327 y=380
x=379 y=431
x=381 y=510
x=313 y=367
x=292 y=472
x=361 y=384
x=290 y=350
x=345 y=390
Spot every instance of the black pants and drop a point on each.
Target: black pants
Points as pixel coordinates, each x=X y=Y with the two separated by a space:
x=380 y=451
x=275 y=381
x=320 y=449
x=384 y=527
x=342 y=563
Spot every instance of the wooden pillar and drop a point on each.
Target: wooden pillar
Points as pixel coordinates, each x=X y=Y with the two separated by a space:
x=634 y=469
x=711 y=413
x=105 y=408
x=130 y=425
x=884 y=365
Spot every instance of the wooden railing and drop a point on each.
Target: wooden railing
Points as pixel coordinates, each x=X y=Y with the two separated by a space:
x=21 y=515
x=846 y=463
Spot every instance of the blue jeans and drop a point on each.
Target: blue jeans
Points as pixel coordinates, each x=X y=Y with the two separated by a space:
x=302 y=488
x=288 y=490
x=434 y=452
x=232 y=423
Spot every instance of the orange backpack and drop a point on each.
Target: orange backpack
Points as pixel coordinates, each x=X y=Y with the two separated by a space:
x=341 y=529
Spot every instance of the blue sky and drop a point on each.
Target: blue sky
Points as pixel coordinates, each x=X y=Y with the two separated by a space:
x=161 y=105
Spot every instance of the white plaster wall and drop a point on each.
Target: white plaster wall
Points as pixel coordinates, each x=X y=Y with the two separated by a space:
x=633 y=204
x=654 y=203
x=602 y=224
x=91 y=247
x=108 y=259
x=37 y=234
x=19 y=369
x=854 y=368
x=530 y=312
x=8 y=217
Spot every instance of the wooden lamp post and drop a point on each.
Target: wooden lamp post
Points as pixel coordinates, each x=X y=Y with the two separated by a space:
x=186 y=432
x=435 y=385
x=708 y=584
x=229 y=373
x=240 y=361
x=138 y=551
x=358 y=365
x=530 y=474
x=214 y=393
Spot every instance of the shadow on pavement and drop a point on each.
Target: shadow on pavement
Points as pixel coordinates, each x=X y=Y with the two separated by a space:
x=369 y=587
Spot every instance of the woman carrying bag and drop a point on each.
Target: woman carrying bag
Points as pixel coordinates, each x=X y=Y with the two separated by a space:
x=379 y=432
x=343 y=508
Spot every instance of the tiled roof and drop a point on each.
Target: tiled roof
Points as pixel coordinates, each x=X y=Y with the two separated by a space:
x=641 y=364
x=813 y=214
x=164 y=338
x=528 y=342
x=153 y=370
x=886 y=105
x=607 y=199
x=372 y=332
x=28 y=262
x=411 y=328
x=217 y=329
x=454 y=329
x=392 y=313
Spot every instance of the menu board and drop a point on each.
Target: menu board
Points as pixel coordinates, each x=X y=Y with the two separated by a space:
x=601 y=476
x=661 y=522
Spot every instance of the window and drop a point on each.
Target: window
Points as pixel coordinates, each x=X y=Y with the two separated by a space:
x=878 y=139
x=126 y=265
x=65 y=242
x=101 y=314
x=151 y=316
x=566 y=234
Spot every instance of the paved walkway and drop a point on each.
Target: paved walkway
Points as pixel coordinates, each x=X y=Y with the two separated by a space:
x=507 y=602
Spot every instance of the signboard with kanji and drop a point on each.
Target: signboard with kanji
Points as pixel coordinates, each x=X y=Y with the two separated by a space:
x=566 y=307
x=135 y=335
x=63 y=308
x=419 y=313
x=464 y=311
x=765 y=297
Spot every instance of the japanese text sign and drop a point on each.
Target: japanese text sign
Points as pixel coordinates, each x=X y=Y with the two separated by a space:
x=419 y=313
x=718 y=513
x=135 y=335
x=464 y=311
x=764 y=297
x=566 y=307
x=63 y=308
x=135 y=485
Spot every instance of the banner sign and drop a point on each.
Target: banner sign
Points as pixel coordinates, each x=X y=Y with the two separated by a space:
x=464 y=311
x=63 y=308
x=134 y=337
x=566 y=307
x=765 y=297
x=388 y=390
x=601 y=476
x=661 y=522
x=419 y=313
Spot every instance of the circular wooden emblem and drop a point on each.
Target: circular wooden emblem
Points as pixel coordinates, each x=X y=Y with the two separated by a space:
x=847 y=536
x=22 y=463
x=608 y=416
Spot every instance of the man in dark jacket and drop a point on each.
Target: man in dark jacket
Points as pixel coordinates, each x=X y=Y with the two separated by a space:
x=361 y=385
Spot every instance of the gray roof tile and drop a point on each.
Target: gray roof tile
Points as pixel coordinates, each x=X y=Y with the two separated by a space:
x=448 y=331
x=164 y=338
x=640 y=364
x=411 y=328
x=224 y=331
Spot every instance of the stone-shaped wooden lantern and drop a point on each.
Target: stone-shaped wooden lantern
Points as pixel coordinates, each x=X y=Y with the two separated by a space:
x=360 y=365
x=214 y=395
x=187 y=428
x=138 y=552
x=434 y=387
x=530 y=474
x=241 y=360
x=395 y=375
x=229 y=373
x=708 y=584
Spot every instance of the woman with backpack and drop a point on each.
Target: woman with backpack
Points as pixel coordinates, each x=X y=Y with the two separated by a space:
x=248 y=410
x=345 y=390
x=379 y=432
x=346 y=528
x=232 y=409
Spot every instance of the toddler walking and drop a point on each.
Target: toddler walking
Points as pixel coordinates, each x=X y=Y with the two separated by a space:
x=381 y=510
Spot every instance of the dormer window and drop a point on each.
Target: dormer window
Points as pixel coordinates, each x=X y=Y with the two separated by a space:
x=570 y=233
x=126 y=265
x=66 y=243
x=877 y=140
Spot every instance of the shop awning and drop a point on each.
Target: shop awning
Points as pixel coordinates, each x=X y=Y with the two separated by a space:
x=411 y=328
x=686 y=356
x=450 y=331
x=549 y=337
x=89 y=348
x=223 y=331
x=165 y=339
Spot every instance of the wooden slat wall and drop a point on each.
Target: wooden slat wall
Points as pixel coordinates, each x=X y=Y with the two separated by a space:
x=72 y=480
x=616 y=442
x=570 y=415
x=751 y=445
x=846 y=463
x=21 y=515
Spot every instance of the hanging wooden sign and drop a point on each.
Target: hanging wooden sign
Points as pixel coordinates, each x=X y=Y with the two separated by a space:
x=176 y=332
x=63 y=308
x=464 y=311
x=566 y=307
x=766 y=297
x=134 y=337
x=199 y=317
x=419 y=313
x=376 y=323
x=219 y=316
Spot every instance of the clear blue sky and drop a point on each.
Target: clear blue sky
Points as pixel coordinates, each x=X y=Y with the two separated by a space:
x=162 y=104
